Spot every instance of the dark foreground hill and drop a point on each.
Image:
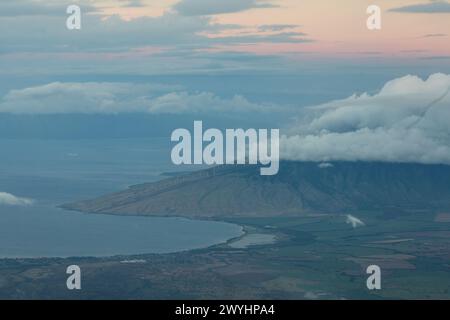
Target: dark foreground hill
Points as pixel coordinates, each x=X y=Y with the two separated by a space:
x=299 y=188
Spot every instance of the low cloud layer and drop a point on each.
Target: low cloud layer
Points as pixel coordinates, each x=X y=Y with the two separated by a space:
x=12 y=200
x=114 y=98
x=407 y=121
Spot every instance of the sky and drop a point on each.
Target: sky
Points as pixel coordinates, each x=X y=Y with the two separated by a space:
x=170 y=36
x=311 y=66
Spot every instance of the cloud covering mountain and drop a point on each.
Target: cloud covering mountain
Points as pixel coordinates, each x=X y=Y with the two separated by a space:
x=407 y=121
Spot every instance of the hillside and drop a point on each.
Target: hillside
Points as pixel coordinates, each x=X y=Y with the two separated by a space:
x=299 y=188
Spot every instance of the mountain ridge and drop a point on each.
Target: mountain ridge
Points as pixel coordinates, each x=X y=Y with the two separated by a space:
x=299 y=188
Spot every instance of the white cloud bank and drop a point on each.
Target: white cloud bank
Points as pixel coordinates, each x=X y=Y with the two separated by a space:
x=112 y=98
x=12 y=200
x=407 y=121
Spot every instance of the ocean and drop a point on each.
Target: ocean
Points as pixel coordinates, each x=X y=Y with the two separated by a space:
x=53 y=172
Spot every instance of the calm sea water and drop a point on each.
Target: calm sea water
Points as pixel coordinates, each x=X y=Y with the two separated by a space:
x=56 y=172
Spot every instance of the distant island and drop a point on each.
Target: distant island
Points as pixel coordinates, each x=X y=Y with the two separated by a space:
x=299 y=188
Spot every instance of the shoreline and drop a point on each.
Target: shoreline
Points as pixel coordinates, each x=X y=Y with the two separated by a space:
x=243 y=231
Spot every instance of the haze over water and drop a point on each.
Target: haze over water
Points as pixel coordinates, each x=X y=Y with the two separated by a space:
x=55 y=172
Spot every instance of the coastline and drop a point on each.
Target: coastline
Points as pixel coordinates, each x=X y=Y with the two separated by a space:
x=242 y=230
